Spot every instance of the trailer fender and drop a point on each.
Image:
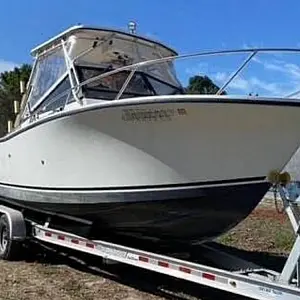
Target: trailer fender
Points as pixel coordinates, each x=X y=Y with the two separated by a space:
x=16 y=223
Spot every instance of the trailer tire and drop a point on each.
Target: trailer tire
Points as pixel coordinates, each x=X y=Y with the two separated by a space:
x=9 y=249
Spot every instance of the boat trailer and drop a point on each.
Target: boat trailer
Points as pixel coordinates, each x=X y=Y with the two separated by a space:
x=233 y=273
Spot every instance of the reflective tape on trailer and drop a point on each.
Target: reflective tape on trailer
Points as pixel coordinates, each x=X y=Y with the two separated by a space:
x=183 y=269
x=61 y=237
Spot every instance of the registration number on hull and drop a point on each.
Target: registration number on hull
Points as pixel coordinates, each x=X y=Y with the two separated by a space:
x=152 y=115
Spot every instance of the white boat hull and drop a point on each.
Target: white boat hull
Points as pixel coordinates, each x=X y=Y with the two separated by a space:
x=118 y=146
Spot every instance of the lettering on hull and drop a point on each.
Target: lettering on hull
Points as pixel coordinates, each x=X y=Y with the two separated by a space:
x=152 y=115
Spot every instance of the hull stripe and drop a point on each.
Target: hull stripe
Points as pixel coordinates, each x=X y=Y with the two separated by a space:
x=148 y=187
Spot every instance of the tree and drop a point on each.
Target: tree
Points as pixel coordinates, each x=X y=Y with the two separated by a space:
x=202 y=85
x=9 y=92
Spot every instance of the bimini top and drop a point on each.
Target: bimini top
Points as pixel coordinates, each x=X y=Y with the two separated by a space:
x=99 y=33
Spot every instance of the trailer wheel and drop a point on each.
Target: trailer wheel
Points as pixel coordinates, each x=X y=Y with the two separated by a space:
x=9 y=249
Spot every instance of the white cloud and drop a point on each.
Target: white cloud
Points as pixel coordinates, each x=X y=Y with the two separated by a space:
x=220 y=76
x=248 y=85
x=238 y=82
x=272 y=66
x=293 y=70
x=251 y=46
x=199 y=69
x=289 y=69
x=6 y=65
x=254 y=58
x=273 y=88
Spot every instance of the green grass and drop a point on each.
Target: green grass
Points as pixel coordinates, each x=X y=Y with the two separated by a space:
x=284 y=240
x=260 y=234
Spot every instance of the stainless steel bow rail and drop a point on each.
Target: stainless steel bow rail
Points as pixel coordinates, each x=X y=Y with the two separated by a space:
x=76 y=86
x=233 y=274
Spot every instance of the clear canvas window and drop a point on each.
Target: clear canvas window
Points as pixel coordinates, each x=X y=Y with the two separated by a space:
x=164 y=72
x=48 y=70
x=108 y=87
x=57 y=99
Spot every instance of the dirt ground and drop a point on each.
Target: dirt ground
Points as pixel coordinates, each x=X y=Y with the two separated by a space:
x=265 y=230
x=42 y=277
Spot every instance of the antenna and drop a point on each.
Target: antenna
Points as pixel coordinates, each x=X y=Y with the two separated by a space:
x=132 y=27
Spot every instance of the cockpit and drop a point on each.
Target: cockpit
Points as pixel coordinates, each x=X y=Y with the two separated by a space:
x=91 y=63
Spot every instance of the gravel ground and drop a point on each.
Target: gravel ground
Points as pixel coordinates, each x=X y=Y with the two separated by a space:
x=42 y=278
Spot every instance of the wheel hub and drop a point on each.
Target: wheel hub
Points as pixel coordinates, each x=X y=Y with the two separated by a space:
x=3 y=238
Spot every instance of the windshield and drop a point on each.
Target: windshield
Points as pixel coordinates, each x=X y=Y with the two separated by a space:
x=47 y=72
x=107 y=88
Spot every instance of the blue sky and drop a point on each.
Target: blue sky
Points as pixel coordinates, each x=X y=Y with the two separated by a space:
x=186 y=25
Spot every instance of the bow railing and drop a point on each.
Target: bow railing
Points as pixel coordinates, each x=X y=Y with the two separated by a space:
x=133 y=68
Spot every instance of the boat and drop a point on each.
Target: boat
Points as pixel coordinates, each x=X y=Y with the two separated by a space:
x=106 y=133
